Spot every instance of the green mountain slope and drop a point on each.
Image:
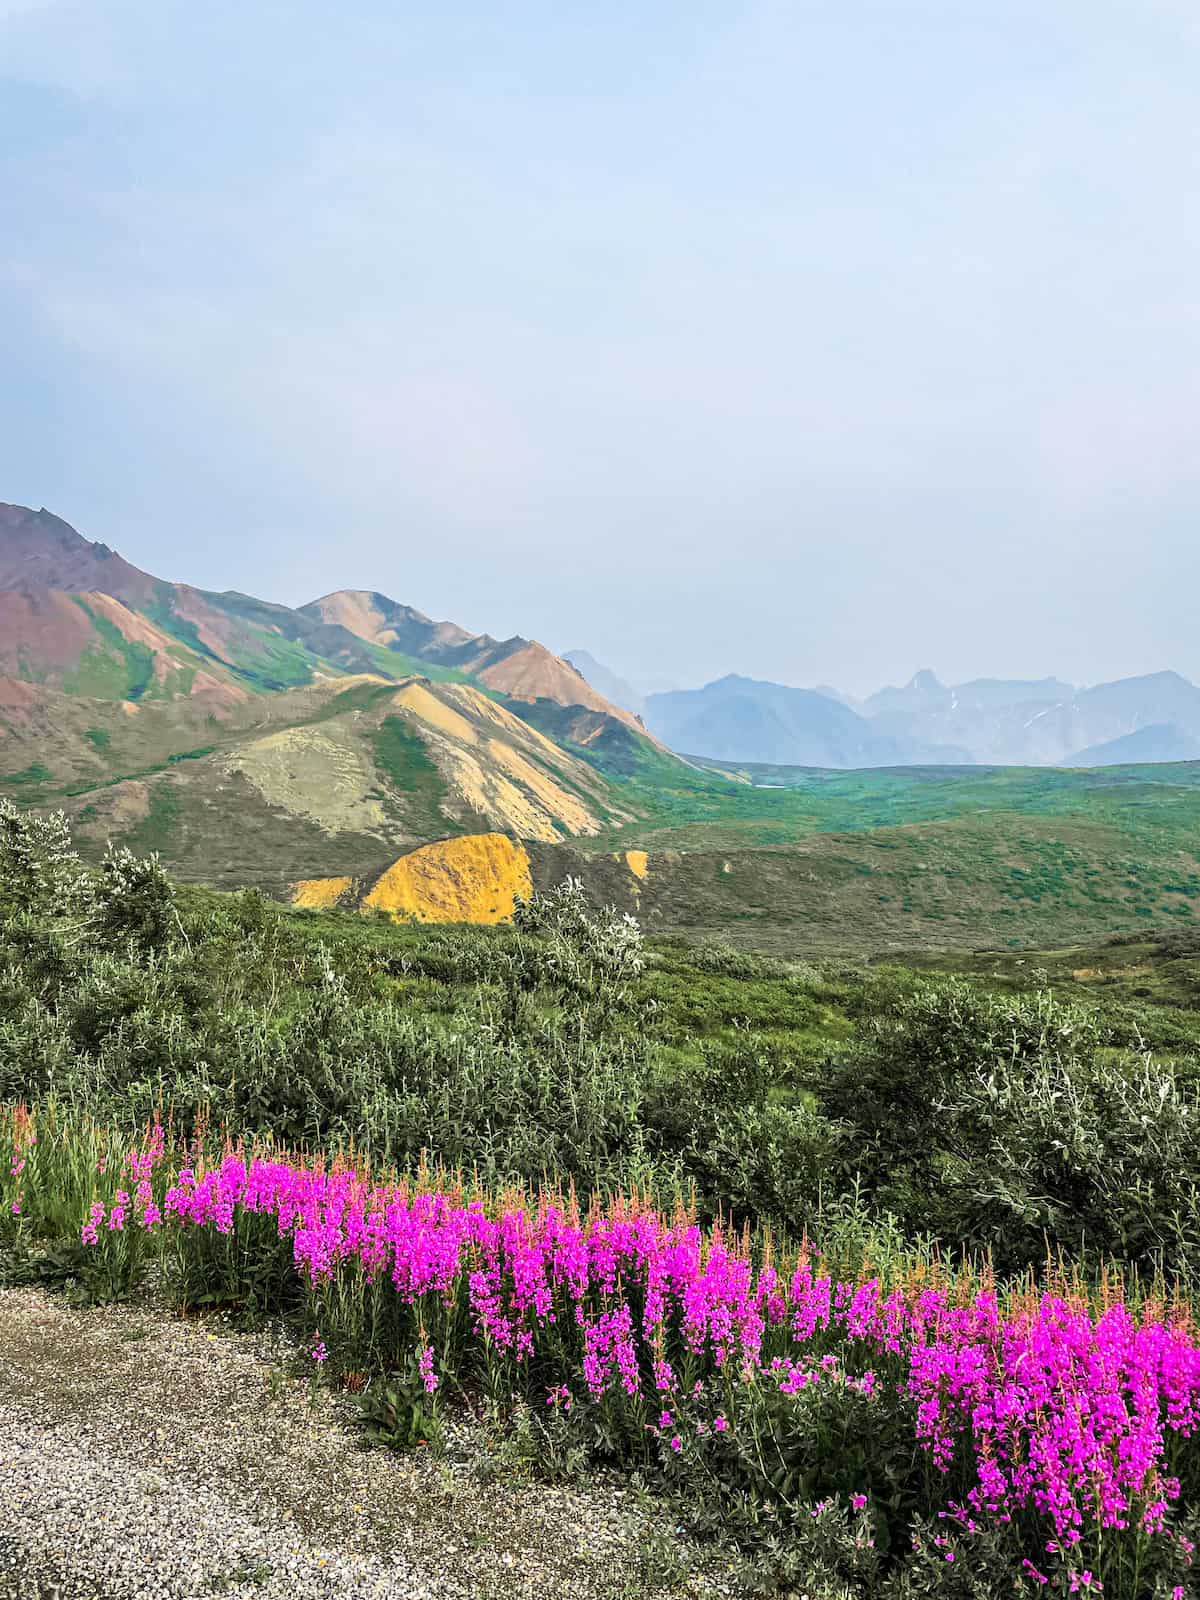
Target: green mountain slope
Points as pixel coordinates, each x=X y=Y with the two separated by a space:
x=339 y=777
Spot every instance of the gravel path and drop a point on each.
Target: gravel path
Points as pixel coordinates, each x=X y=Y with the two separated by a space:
x=144 y=1457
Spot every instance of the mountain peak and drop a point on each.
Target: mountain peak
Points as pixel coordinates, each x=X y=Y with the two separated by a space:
x=44 y=549
x=518 y=667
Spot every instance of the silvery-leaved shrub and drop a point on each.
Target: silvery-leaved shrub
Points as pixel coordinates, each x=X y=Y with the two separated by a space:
x=39 y=869
x=133 y=900
x=1002 y=1122
x=594 y=953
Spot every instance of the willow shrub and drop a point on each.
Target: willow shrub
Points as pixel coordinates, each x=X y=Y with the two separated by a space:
x=1013 y=1124
x=1005 y=1123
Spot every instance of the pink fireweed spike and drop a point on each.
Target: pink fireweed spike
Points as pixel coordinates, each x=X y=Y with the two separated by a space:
x=1057 y=1413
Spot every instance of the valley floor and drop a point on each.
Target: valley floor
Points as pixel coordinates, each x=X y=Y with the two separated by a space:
x=143 y=1456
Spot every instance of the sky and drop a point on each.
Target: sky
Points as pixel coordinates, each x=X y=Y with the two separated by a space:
x=817 y=341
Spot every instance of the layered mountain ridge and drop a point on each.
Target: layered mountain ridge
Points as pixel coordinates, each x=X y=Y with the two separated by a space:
x=1044 y=722
x=744 y=719
x=265 y=645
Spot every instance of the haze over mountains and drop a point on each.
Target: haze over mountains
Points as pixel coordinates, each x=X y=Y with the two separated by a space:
x=987 y=721
x=742 y=719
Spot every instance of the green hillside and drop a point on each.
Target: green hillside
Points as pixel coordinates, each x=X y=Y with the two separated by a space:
x=856 y=861
x=923 y=857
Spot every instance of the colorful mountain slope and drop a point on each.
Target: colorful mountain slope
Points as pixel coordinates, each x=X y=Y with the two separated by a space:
x=521 y=669
x=333 y=779
x=236 y=638
x=387 y=623
x=299 y=751
x=244 y=740
x=36 y=547
x=91 y=644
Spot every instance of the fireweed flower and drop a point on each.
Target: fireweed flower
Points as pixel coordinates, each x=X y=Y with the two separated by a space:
x=1055 y=1413
x=89 y=1233
x=425 y=1367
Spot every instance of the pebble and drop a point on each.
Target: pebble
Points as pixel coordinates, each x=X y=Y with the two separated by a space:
x=142 y=1457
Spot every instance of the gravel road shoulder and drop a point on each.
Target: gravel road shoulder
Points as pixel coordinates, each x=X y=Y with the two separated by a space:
x=143 y=1457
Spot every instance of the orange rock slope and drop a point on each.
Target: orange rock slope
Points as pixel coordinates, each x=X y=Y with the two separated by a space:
x=475 y=878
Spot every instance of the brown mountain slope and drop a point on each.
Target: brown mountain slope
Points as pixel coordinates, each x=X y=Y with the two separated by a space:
x=385 y=622
x=531 y=672
x=51 y=742
x=502 y=768
x=38 y=547
x=272 y=647
x=54 y=744
x=333 y=779
x=287 y=712
x=520 y=668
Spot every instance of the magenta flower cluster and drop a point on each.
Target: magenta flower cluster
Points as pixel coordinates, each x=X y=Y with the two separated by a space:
x=1045 y=1407
x=138 y=1169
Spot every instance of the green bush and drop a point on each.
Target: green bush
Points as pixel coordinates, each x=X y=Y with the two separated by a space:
x=1003 y=1123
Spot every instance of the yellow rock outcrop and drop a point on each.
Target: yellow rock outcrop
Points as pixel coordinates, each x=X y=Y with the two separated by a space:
x=475 y=878
x=637 y=861
x=319 y=894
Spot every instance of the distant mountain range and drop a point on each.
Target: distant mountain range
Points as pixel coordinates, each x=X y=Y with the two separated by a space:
x=1044 y=722
x=742 y=719
x=989 y=721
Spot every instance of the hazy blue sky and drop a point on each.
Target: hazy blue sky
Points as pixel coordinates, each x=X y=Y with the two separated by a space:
x=813 y=340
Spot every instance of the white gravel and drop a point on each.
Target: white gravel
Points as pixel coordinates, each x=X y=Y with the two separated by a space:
x=144 y=1458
